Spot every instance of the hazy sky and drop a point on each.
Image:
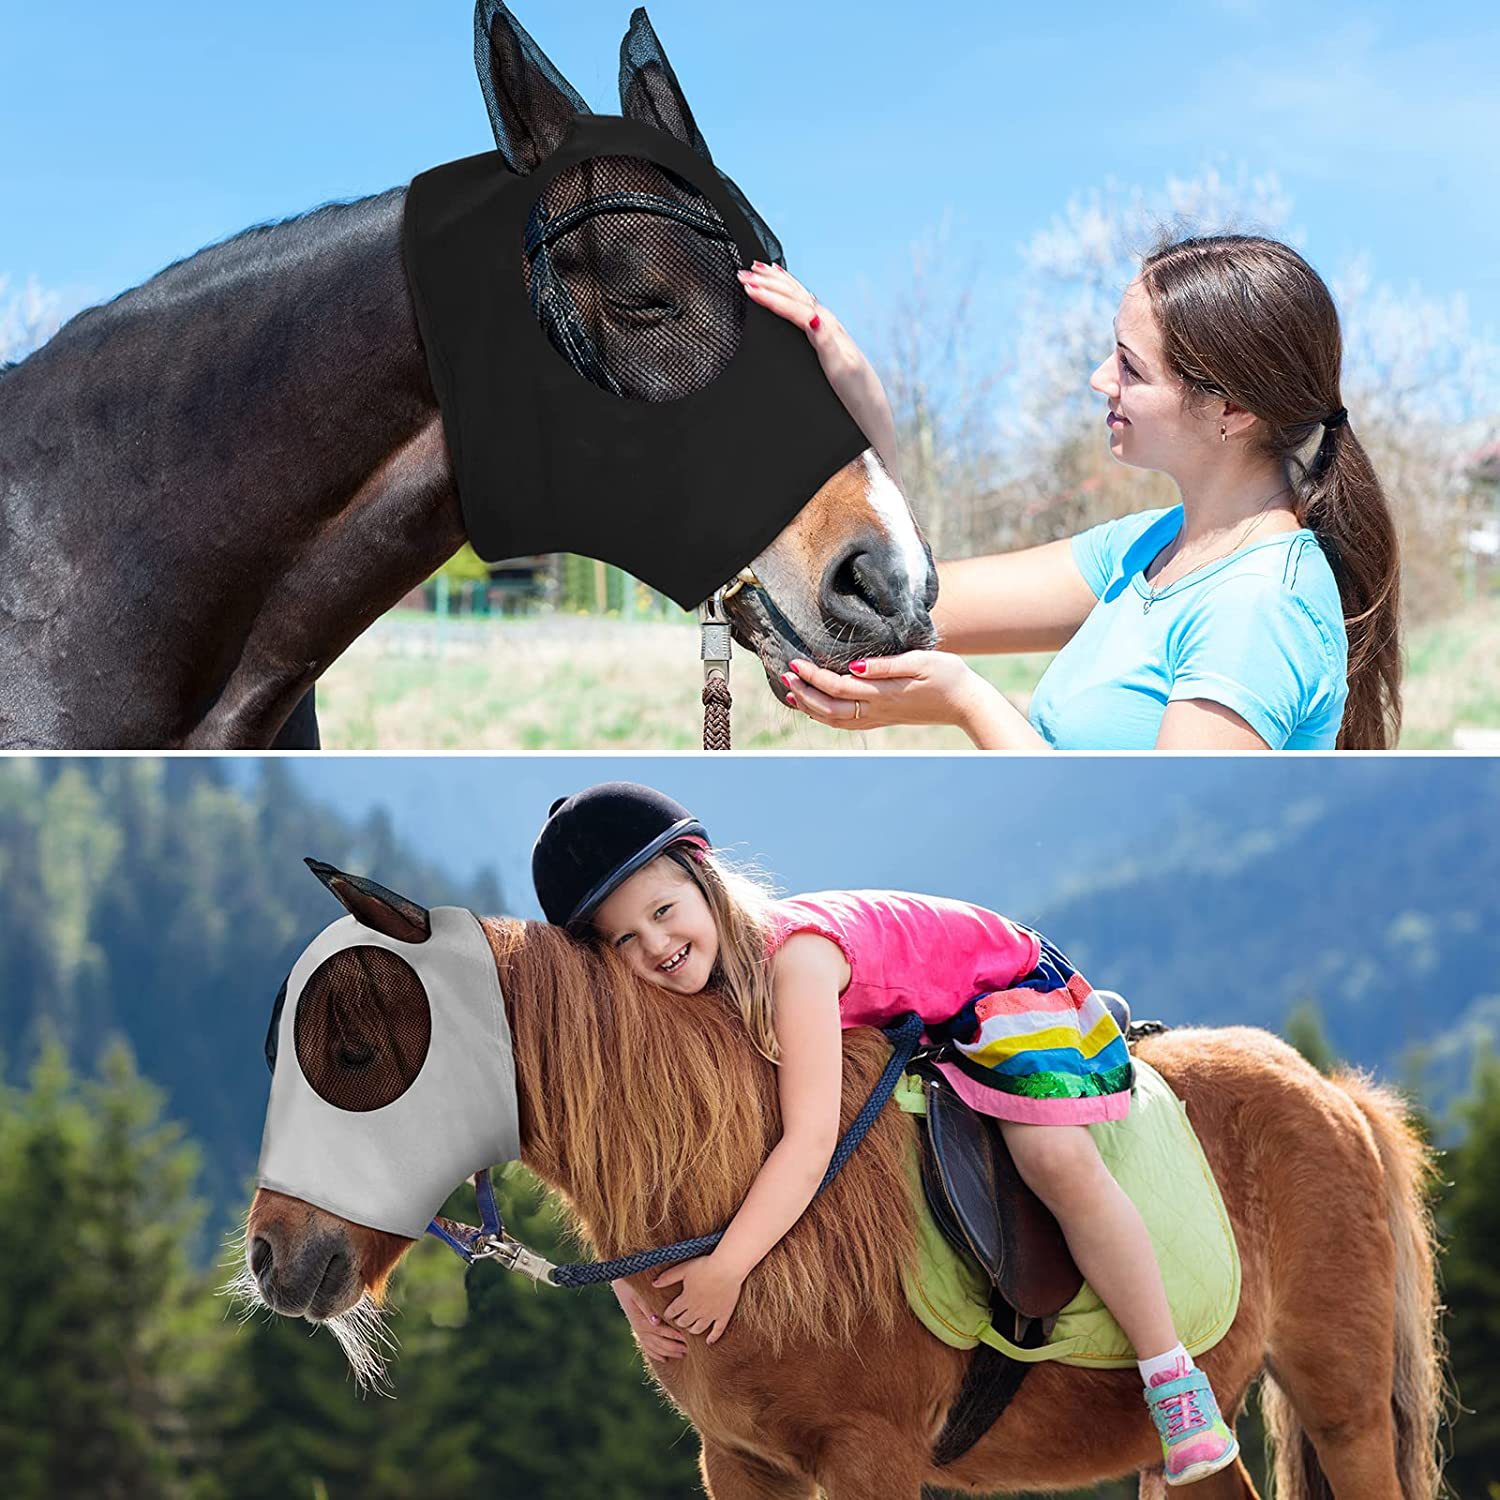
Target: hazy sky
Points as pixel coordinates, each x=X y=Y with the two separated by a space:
x=131 y=135
x=1007 y=832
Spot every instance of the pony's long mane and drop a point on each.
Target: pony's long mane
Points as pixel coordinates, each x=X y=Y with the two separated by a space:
x=650 y=1113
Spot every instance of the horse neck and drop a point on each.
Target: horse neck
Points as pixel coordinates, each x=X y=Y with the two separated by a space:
x=260 y=413
x=651 y=1115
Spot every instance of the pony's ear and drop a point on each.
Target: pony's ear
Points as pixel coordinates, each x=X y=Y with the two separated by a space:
x=649 y=90
x=373 y=906
x=530 y=103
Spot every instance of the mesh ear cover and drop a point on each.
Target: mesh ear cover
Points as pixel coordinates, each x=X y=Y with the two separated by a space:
x=631 y=272
x=649 y=91
x=363 y=1028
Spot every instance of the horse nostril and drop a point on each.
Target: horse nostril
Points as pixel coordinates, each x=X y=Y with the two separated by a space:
x=260 y=1256
x=857 y=577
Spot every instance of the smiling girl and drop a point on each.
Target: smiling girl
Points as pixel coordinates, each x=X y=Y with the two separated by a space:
x=1260 y=612
x=1022 y=1036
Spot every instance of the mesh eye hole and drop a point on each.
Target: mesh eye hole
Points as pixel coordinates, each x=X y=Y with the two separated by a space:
x=630 y=270
x=363 y=1028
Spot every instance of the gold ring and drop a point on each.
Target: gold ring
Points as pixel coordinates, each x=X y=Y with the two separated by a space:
x=857 y=707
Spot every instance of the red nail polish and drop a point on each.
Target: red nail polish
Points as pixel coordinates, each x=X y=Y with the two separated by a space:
x=788 y=680
x=857 y=666
x=816 y=323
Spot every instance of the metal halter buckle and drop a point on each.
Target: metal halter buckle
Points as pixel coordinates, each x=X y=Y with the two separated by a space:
x=514 y=1256
x=488 y=1240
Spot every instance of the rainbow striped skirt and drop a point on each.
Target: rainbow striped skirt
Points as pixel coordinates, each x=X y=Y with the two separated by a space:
x=1046 y=1051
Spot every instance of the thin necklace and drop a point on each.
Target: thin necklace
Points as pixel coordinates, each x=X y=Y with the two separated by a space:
x=1153 y=591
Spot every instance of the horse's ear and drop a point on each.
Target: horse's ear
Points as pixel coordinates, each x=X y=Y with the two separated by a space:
x=373 y=906
x=530 y=103
x=649 y=90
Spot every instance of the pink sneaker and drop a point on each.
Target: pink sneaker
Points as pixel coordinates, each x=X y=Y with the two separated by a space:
x=1195 y=1439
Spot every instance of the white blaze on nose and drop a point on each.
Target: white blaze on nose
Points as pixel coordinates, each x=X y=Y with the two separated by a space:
x=889 y=505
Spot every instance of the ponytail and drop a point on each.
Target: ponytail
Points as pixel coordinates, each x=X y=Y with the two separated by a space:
x=1343 y=504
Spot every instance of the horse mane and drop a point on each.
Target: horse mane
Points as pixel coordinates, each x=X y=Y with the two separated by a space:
x=209 y=268
x=650 y=1113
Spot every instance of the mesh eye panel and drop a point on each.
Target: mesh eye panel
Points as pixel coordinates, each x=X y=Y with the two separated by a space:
x=363 y=1028
x=630 y=270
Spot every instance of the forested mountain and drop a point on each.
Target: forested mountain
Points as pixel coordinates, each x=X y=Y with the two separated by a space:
x=151 y=897
x=161 y=901
x=1374 y=894
x=164 y=900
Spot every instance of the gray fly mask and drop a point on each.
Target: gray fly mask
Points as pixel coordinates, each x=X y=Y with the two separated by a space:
x=392 y=1078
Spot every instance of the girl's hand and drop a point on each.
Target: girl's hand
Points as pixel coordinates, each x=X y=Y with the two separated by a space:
x=657 y=1339
x=709 y=1293
x=914 y=687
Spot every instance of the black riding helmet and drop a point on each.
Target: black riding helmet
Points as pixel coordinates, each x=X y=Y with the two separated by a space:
x=598 y=838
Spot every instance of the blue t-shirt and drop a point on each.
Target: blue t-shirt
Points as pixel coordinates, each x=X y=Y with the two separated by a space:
x=1260 y=631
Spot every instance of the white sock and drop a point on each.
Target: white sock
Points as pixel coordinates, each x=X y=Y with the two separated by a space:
x=1159 y=1362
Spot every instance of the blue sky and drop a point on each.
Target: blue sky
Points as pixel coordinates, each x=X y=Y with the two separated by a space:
x=133 y=135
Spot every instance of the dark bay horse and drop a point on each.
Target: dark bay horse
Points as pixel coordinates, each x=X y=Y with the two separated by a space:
x=824 y=1377
x=211 y=485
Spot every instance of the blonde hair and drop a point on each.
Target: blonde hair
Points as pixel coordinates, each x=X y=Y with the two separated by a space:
x=739 y=895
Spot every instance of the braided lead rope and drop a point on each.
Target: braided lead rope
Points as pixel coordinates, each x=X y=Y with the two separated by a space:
x=717 y=704
x=713 y=625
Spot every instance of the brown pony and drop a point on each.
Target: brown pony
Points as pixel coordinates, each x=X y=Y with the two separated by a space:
x=650 y=1113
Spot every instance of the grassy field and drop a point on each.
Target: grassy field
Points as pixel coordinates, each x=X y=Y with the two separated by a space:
x=584 y=683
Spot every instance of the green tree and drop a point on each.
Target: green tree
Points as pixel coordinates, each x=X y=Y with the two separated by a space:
x=568 y=1407
x=1470 y=1221
x=1304 y=1030
x=95 y=1287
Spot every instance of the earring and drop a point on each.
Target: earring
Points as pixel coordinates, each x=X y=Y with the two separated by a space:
x=1223 y=435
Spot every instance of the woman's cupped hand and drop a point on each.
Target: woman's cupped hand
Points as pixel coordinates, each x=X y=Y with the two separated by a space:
x=914 y=687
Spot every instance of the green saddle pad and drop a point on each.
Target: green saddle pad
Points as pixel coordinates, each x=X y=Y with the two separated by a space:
x=1154 y=1155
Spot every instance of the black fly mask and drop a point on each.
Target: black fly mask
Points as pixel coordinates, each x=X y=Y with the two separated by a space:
x=607 y=387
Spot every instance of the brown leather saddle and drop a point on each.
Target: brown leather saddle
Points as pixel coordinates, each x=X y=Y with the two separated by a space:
x=984 y=1208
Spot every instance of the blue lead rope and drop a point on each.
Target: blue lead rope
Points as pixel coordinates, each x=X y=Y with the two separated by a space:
x=470 y=1243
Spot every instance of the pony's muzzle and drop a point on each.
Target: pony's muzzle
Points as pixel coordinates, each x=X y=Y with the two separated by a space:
x=315 y=1283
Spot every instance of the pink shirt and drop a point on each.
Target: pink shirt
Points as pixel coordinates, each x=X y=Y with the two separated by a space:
x=930 y=954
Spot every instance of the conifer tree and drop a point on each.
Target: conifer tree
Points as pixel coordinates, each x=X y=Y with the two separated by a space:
x=1469 y=1220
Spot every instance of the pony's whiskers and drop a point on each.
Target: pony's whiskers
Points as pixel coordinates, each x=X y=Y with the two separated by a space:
x=360 y=1331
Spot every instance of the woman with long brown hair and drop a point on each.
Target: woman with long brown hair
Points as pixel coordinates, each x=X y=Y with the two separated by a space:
x=1261 y=612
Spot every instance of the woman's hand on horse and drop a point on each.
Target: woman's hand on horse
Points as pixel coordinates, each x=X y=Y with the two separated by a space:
x=776 y=288
x=914 y=687
x=657 y=1338
x=710 y=1291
